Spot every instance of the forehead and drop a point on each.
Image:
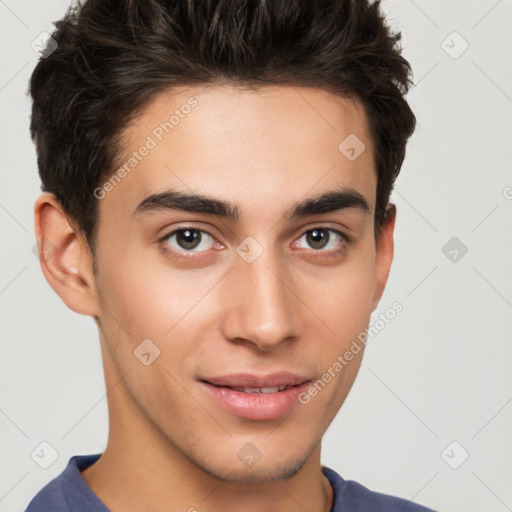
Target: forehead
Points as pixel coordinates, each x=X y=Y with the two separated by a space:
x=268 y=144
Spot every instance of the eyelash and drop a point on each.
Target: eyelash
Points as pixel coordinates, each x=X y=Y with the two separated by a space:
x=327 y=254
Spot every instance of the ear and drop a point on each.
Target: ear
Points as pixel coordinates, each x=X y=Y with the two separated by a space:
x=384 y=254
x=65 y=257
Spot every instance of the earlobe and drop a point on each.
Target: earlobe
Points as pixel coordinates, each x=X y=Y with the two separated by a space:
x=384 y=254
x=65 y=258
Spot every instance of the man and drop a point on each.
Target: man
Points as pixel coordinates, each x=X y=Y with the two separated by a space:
x=216 y=180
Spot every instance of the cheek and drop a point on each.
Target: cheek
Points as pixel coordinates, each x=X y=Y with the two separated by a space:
x=153 y=301
x=147 y=295
x=343 y=295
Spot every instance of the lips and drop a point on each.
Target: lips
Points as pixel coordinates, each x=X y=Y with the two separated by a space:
x=253 y=397
x=248 y=380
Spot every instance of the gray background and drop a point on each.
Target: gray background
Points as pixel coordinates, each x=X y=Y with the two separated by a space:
x=438 y=373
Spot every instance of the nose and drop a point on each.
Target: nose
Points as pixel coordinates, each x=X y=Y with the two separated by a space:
x=261 y=308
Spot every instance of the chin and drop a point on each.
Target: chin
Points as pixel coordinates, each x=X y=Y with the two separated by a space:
x=235 y=471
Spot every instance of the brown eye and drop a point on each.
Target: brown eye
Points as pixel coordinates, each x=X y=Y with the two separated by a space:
x=188 y=240
x=323 y=239
x=318 y=238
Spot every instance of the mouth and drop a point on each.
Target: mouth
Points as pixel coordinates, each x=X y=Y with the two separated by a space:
x=263 y=390
x=259 y=398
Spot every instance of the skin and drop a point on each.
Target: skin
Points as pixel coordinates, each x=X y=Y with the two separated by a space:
x=293 y=308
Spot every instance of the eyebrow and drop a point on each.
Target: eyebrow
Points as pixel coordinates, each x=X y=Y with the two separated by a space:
x=328 y=202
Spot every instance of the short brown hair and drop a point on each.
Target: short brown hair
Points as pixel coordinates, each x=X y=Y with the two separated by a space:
x=113 y=55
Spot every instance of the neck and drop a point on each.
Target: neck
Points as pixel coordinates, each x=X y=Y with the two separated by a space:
x=126 y=469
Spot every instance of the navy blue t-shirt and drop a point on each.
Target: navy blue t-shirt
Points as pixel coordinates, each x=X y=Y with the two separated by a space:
x=69 y=492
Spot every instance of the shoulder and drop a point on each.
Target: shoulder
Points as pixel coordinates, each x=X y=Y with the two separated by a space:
x=50 y=498
x=68 y=491
x=350 y=495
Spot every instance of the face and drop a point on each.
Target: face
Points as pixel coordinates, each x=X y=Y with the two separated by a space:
x=252 y=295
